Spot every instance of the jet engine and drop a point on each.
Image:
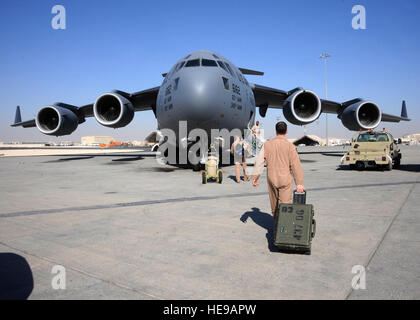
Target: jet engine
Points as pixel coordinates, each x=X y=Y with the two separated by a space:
x=56 y=121
x=361 y=115
x=113 y=110
x=302 y=107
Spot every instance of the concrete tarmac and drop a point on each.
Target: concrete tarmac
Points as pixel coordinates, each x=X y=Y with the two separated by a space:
x=125 y=227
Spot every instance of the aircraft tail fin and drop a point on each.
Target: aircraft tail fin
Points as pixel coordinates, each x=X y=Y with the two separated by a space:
x=18 y=120
x=18 y=117
x=404 y=110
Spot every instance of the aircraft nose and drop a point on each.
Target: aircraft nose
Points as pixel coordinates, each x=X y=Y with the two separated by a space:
x=198 y=96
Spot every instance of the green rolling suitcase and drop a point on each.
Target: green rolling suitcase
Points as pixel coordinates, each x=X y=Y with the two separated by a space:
x=295 y=226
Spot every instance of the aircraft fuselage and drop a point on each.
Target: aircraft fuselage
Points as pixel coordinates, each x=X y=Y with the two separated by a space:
x=208 y=91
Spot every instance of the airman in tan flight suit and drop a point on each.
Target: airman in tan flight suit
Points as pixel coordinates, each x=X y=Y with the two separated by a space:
x=238 y=149
x=282 y=162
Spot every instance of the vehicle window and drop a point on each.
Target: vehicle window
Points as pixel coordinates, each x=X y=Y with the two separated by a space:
x=382 y=137
x=193 y=63
x=376 y=137
x=208 y=63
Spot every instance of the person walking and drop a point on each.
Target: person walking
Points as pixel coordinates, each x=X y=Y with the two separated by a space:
x=282 y=162
x=238 y=149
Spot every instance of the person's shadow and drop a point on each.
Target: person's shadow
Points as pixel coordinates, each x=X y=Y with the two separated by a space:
x=264 y=220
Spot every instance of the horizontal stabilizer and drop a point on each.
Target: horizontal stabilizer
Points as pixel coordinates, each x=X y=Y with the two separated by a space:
x=25 y=124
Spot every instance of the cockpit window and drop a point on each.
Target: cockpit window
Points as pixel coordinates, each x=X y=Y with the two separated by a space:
x=180 y=65
x=193 y=63
x=208 y=63
x=215 y=56
x=222 y=65
x=225 y=83
x=176 y=81
x=230 y=69
x=239 y=77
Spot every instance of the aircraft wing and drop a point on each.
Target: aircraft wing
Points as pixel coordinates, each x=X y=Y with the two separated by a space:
x=141 y=100
x=266 y=97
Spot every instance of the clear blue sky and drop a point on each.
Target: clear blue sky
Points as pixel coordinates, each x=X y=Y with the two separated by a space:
x=126 y=45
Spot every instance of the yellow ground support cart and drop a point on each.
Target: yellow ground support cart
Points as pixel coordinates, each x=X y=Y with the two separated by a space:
x=211 y=171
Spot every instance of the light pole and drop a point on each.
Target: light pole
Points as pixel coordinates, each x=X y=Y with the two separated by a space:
x=325 y=56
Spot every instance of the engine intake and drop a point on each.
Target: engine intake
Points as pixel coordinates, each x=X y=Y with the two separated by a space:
x=113 y=110
x=302 y=107
x=361 y=115
x=56 y=121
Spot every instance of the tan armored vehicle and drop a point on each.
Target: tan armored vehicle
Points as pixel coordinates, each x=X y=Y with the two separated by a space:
x=373 y=148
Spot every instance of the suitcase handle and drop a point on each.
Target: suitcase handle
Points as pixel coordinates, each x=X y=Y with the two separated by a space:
x=313 y=228
x=299 y=197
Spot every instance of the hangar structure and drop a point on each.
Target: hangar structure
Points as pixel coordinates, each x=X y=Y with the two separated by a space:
x=309 y=140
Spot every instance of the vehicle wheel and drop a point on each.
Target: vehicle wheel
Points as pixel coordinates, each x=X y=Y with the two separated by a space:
x=204 y=177
x=360 y=165
x=352 y=166
x=220 y=176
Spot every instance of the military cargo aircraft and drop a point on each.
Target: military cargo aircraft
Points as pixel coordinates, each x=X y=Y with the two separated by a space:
x=209 y=92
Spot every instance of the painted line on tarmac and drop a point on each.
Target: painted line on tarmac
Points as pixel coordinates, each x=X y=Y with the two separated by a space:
x=184 y=199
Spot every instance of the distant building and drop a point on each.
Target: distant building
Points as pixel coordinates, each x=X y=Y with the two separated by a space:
x=411 y=139
x=312 y=140
x=308 y=140
x=95 y=140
